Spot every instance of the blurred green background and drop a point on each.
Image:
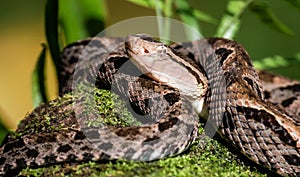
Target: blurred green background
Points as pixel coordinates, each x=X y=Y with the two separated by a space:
x=22 y=32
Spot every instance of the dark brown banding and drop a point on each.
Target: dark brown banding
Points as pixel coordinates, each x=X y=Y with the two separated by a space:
x=168 y=124
x=287 y=102
x=224 y=53
x=64 y=148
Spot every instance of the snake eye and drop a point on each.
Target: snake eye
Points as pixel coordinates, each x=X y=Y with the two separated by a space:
x=161 y=49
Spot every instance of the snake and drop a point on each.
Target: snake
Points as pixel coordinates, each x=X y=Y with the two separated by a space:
x=211 y=79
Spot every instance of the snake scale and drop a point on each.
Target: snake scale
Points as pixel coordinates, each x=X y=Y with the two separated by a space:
x=262 y=124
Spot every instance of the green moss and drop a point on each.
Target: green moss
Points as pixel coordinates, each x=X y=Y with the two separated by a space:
x=47 y=117
x=213 y=159
x=110 y=109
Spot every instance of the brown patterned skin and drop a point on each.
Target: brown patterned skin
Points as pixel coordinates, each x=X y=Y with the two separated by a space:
x=248 y=122
x=282 y=92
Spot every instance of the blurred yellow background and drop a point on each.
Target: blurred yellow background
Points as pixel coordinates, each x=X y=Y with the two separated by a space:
x=21 y=36
x=22 y=32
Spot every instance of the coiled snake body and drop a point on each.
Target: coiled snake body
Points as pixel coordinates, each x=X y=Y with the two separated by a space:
x=218 y=80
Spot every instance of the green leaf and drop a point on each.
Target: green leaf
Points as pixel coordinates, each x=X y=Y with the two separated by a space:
x=162 y=8
x=51 y=27
x=93 y=14
x=230 y=21
x=168 y=8
x=163 y=26
x=295 y=3
x=185 y=13
x=81 y=19
x=189 y=14
x=71 y=21
x=271 y=62
x=145 y=3
x=266 y=15
x=204 y=16
x=184 y=10
x=38 y=88
x=3 y=131
x=288 y=66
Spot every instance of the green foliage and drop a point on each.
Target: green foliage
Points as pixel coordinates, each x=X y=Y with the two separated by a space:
x=266 y=15
x=81 y=19
x=76 y=20
x=3 y=132
x=51 y=30
x=295 y=3
x=230 y=22
x=186 y=11
x=288 y=66
x=38 y=80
